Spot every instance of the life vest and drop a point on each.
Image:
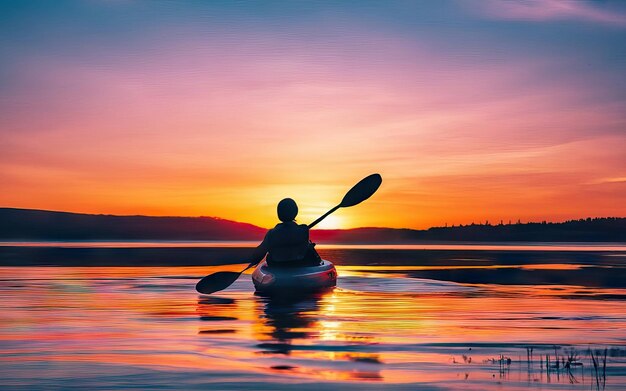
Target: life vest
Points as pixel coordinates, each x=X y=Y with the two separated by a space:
x=287 y=242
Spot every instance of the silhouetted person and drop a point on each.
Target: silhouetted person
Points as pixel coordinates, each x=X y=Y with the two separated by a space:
x=287 y=244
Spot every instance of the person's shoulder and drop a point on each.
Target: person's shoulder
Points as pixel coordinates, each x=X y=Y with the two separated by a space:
x=276 y=228
x=272 y=232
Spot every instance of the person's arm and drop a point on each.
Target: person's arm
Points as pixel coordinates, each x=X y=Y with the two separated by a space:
x=306 y=232
x=259 y=252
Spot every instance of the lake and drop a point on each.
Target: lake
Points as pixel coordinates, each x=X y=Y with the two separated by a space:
x=435 y=316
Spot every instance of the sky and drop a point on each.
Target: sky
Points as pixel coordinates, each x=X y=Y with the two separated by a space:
x=471 y=111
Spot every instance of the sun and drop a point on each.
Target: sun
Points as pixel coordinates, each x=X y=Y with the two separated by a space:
x=331 y=222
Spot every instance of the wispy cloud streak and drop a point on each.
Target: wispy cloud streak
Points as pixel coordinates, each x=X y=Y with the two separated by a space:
x=550 y=10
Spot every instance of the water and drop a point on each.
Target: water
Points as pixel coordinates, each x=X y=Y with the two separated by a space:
x=399 y=319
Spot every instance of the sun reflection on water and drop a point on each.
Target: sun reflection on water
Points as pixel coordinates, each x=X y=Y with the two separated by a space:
x=375 y=327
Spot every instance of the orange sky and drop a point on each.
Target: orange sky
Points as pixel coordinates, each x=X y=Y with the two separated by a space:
x=465 y=113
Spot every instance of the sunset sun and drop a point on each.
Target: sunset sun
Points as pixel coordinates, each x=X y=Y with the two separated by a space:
x=332 y=222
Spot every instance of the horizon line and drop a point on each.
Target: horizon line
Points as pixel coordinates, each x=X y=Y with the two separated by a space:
x=486 y=223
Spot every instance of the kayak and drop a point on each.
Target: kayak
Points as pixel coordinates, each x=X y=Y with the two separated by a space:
x=294 y=279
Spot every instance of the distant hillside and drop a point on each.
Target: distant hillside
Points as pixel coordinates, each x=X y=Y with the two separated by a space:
x=28 y=224
x=610 y=229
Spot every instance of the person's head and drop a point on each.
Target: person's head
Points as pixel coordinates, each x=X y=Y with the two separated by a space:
x=287 y=210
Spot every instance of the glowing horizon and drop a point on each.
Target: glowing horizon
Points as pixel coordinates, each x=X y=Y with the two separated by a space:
x=501 y=111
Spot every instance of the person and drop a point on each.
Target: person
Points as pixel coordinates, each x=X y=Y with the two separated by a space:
x=287 y=244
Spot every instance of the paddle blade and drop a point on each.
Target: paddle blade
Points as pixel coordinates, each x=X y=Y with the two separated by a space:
x=362 y=190
x=216 y=282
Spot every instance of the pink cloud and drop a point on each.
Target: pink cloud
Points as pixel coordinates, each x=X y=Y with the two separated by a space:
x=544 y=10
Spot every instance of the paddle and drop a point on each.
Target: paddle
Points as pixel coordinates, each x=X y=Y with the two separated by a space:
x=359 y=193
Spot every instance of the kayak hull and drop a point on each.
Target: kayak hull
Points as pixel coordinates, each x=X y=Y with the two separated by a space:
x=294 y=279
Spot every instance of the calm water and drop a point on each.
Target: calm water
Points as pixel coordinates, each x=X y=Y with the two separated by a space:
x=466 y=322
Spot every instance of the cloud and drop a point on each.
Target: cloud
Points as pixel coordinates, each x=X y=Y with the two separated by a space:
x=548 y=10
x=608 y=180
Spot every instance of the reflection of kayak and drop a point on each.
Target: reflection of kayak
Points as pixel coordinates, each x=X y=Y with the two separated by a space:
x=294 y=279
